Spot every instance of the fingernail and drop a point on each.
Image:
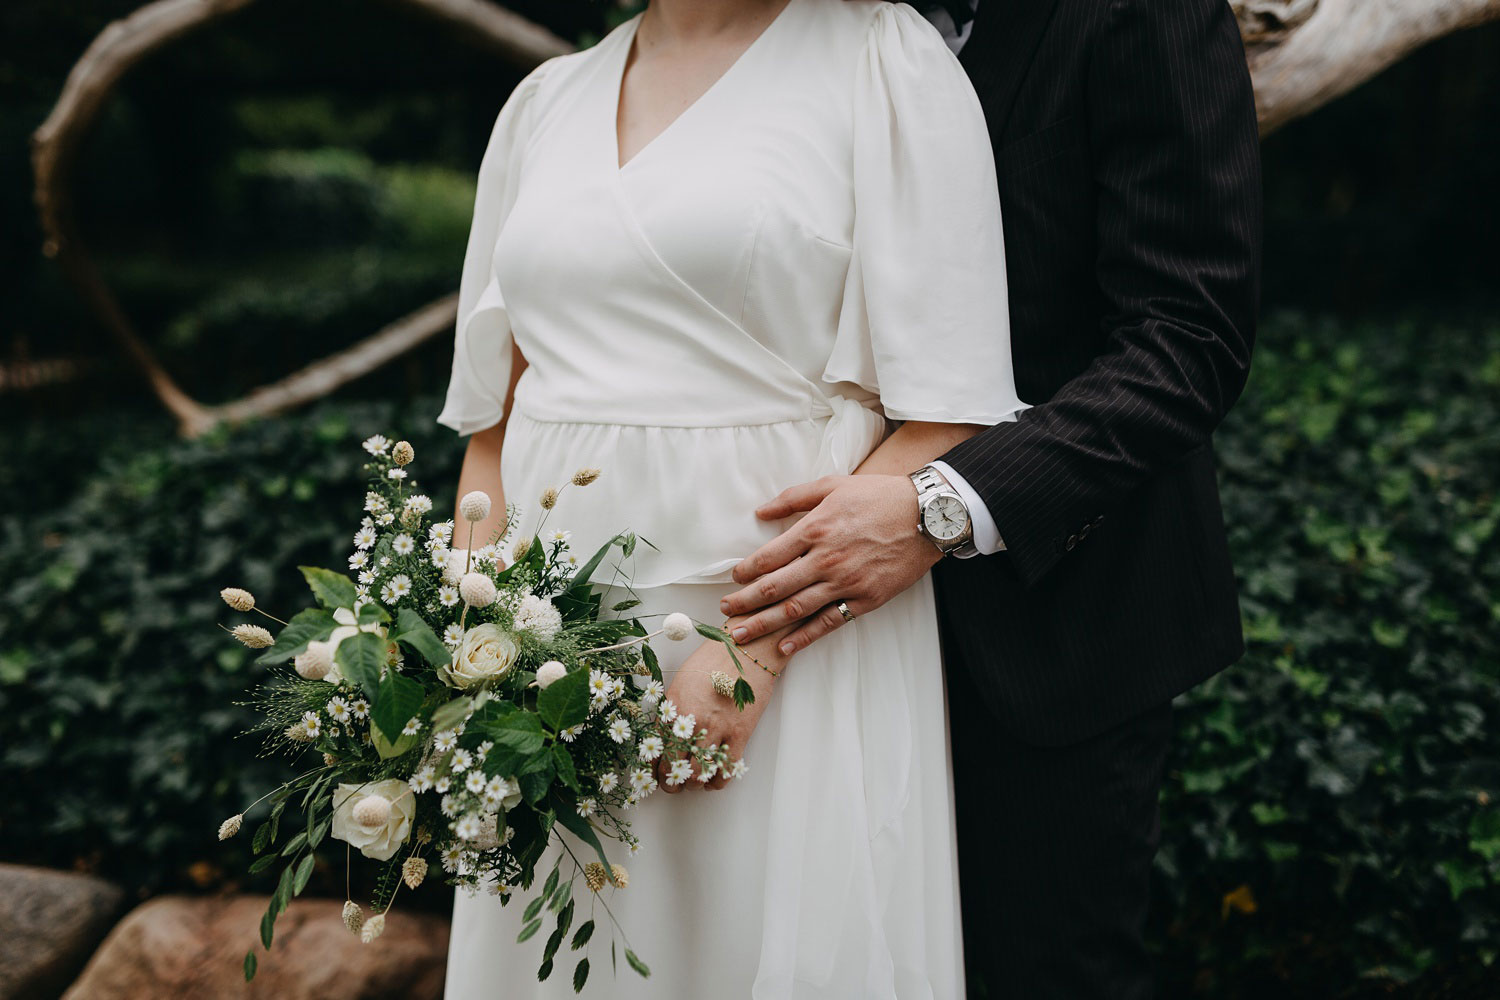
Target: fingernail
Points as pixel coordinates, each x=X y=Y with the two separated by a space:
x=787 y=647
x=739 y=634
x=724 y=606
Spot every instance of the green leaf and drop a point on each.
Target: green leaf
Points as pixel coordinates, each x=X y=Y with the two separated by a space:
x=534 y=907
x=581 y=974
x=304 y=872
x=387 y=749
x=315 y=837
x=563 y=761
x=415 y=634
x=398 y=699
x=536 y=778
x=582 y=935
x=529 y=931
x=450 y=714
x=333 y=590
x=261 y=864
x=544 y=971
x=565 y=702
x=371 y=613
x=262 y=838
x=520 y=731
x=637 y=964
x=305 y=626
x=361 y=657
x=250 y=965
x=295 y=844
x=551 y=884
x=554 y=942
x=626 y=605
x=744 y=694
x=716 y=634
x=567 y=815
x=565 y=920
x=1462 y=876
x=1484 y=834
x=562 y=896
x=282 y=897
x=268 y=924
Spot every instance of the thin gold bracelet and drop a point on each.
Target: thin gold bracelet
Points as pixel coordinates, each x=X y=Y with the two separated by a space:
x=750 y=655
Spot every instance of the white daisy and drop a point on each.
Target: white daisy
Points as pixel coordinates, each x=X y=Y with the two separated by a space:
x=680 y=772
x=599 y=688
x=403 y=545
x=447 y=597
x=413 y=727
x=422 y=780
x=337 y=709
x=651 y=747
x=642 y=780
x=397 y=587
x=374 y=503
x=377 y=444
x=453 y=634
x=359 y=559
x=560 y=536
x=467 y=828
x=684 y=727
x=366 y=576
x=452 y=857
x=483 y=750
x=607 y=782
x=387 y=517
x=619 y=730
x=449 y=806
x=418 y=504
x=441 y=785
x=475 y=782
x=461 y=760
x=442 y=531
x=668 y=711
x=396 y=473
x=707 y=772
x=587 y=807
x=310 y=725
x=439 y=558
x=360 y=708
x=653 y=691
x=364 y=538
x=616 y=687
x=739 y=768
x=571 y=733
x=445 y=741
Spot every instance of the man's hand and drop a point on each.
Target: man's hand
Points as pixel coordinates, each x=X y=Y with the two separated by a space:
x=858 y=544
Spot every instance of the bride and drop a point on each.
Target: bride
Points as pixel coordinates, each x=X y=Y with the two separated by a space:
x=720 y=253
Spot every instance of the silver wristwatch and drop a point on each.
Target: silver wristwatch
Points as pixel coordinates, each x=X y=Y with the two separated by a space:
x=942 y=515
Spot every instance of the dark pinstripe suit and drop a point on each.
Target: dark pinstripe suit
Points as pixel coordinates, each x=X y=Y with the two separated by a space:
x=1128 y=162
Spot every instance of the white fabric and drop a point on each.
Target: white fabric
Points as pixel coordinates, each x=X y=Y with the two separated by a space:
x=810 y=248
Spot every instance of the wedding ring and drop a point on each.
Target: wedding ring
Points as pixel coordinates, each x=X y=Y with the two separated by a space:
x=843 y=607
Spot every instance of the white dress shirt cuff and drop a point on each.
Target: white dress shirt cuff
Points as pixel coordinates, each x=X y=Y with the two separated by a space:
x=986 y=535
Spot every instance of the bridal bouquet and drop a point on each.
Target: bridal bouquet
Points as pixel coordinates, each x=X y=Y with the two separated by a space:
x=445 y=705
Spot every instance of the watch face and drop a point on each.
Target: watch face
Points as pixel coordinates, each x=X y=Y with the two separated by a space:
x=945 y=518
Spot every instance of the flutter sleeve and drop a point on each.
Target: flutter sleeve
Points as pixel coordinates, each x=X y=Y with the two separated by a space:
x=482 y=338
x=925 y=321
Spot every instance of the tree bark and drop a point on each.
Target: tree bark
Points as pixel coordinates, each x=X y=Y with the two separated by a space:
x=1302 y=54
x=1305 y=53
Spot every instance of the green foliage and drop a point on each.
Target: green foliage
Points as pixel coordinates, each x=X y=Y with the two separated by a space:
x=1343 y=772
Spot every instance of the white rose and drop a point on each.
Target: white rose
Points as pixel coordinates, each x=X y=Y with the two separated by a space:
x=486 y=654
x=387 y=817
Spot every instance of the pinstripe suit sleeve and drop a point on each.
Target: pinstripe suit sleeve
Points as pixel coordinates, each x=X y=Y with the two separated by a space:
x=1175 y=156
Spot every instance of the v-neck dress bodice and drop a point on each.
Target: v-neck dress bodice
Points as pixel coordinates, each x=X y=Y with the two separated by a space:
x=812 y=248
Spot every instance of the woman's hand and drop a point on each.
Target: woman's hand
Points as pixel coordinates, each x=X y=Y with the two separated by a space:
x=692 y=692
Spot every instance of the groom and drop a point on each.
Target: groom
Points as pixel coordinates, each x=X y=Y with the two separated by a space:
x=1088 y=580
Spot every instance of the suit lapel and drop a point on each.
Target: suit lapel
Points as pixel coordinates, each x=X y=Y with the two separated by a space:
x=1000 y=49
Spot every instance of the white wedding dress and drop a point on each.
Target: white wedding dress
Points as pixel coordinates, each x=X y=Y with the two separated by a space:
x=813 y=247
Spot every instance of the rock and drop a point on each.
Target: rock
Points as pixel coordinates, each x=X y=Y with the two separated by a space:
x=189 y=948
x=50 y=922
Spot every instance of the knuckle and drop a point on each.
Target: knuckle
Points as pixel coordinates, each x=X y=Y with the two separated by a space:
x=766 y=589
x=794 y=609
